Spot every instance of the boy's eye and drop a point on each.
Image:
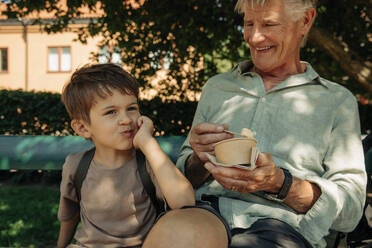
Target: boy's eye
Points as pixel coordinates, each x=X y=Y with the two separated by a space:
x=133 y=108
x=110 y=112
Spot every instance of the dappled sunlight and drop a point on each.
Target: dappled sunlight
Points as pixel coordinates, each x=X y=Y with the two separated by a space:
x=28 y=216
x=103 y=186
x=38 y=152
x=54 y=210
x=302 y=107
x=4 y=207
x=125 y=196
x=17 y=227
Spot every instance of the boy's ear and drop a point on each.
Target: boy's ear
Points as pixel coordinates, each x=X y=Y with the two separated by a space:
x=81 y=128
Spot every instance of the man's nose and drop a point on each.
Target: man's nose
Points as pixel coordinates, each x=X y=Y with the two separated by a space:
x=256 y=35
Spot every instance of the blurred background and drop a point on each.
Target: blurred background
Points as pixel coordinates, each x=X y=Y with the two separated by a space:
x=171 y=47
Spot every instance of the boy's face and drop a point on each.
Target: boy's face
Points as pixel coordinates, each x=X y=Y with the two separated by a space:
x=113 y=122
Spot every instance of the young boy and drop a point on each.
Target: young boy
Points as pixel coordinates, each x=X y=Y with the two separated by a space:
x=114 y=210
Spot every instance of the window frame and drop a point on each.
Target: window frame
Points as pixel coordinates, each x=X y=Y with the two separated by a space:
x=7 y=60
x=59 y=50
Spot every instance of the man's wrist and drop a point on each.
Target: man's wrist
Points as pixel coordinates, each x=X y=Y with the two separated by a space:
x=284 y=189
x=195 y=171
x=193 y=159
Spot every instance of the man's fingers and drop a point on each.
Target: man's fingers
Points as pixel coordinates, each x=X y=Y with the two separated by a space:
x=227 y=172
x=264 y=159
x=204 y=148
x=211 y=138
x=209 y=166
x=205 y=127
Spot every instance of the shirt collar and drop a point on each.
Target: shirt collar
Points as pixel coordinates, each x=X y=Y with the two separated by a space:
x=309 y=76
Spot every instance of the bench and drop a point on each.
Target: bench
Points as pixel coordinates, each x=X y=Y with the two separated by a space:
x=49 y=152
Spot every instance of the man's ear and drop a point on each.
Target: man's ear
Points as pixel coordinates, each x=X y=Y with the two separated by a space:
x=307 y=20
x=81 y=128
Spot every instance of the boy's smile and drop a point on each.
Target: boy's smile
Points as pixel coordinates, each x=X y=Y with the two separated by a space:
x=113 y=121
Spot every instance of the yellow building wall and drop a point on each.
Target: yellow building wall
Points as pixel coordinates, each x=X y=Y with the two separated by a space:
x=11 y=38
x=37 y=77
x=38 y=50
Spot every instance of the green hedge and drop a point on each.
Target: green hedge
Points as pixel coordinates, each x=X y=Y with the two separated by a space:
x=42 y=113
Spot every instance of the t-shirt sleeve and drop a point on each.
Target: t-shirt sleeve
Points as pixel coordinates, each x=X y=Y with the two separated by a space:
x=68 y=202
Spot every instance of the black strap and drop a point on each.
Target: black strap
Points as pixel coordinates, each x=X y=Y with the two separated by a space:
x=147 y=182
x=84 y=164
x=82 y=170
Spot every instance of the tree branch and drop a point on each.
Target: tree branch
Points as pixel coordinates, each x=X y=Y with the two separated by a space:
x=355 y=67
x=368 y=4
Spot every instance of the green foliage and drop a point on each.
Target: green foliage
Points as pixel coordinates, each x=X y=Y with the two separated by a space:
x=39 y=113
x=28 y=216
x=206 y=35
x=31 y=113
x=349 y=24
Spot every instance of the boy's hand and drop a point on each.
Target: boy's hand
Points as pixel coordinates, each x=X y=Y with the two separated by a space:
x=145 y=131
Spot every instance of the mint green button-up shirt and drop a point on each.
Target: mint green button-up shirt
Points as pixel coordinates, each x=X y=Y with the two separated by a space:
x=310 y=126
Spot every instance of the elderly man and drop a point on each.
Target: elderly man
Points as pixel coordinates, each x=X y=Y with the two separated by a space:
x=310 y=176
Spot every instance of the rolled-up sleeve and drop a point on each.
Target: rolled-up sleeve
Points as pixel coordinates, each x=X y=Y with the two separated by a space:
x=186 y=149
x=343 y=185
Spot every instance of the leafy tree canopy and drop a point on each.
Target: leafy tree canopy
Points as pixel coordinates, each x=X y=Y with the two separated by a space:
x=187 y=34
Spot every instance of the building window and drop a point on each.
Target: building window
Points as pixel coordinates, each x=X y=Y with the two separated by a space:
x=112 y=55
x=3 y=59
x=59 y=59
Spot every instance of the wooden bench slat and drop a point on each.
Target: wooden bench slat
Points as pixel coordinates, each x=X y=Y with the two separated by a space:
x=49 y=152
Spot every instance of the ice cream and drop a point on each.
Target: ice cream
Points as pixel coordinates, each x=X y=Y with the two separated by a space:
x=247 y=133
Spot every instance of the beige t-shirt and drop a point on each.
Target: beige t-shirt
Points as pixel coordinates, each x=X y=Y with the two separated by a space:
x=115 y=209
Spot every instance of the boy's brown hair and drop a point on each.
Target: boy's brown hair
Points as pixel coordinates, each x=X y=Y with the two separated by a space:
x=91 y=81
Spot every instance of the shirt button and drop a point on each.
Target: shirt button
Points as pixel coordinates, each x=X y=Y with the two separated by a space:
x=263 y=99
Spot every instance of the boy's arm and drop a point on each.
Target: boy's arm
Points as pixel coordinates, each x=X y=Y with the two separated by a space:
x=176 y=189
x=67 y=230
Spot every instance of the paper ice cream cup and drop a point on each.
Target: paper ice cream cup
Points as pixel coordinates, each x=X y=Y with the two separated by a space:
x=235 y=150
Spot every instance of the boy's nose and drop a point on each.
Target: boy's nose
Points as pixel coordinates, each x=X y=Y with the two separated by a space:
x=124 y=119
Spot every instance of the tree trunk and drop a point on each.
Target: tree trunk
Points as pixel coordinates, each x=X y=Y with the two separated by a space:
x=354 y=66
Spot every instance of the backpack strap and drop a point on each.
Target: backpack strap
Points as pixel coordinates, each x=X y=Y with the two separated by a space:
x=147 y=182
x=84 y=164
x=82 y=170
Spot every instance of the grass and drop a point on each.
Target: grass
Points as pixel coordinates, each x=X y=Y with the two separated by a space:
x=28 y=216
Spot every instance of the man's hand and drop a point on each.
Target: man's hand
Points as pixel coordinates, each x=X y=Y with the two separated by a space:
x=204 y=135
x=202 y=138
x=266 y=176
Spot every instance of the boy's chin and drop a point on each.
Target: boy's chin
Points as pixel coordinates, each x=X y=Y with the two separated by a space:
x=126 y=147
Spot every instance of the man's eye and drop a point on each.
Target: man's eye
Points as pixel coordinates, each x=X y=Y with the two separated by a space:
x=248 y=24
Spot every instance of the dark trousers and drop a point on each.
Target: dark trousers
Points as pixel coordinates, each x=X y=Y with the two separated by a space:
x=268 y=233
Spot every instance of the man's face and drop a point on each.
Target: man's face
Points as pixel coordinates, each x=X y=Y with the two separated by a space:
x=113 y=121
x=274 y=40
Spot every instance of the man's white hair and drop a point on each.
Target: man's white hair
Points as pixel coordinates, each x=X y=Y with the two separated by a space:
x=295 y=8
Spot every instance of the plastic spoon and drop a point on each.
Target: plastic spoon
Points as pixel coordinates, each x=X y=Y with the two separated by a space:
x=234 y=133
